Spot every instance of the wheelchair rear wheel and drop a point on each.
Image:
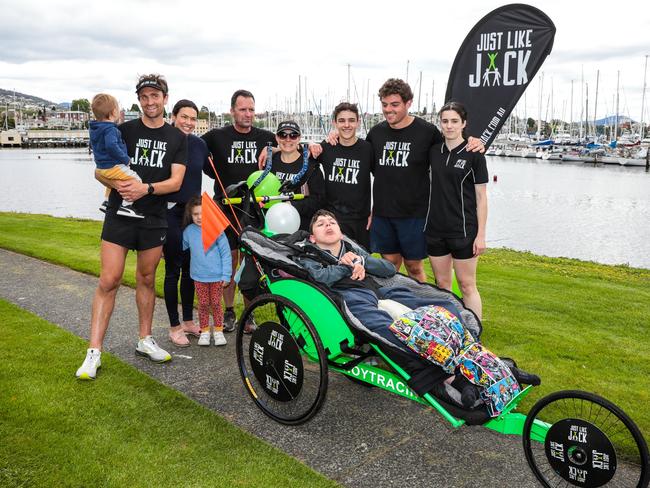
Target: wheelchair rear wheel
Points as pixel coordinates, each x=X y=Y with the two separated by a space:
x=282 y=363
x=590 y=443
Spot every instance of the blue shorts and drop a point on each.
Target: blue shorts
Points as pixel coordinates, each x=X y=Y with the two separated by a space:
x=399 y=236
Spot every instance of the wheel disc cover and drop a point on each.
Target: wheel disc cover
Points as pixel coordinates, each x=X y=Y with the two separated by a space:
x=276 y=361
x=580 y=452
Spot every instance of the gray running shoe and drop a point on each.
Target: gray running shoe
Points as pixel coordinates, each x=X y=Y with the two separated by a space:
x=229 y=320
x=250 y=326
x=148 y=348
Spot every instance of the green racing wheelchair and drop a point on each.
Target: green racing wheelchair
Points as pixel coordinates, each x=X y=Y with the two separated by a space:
x=570 y=438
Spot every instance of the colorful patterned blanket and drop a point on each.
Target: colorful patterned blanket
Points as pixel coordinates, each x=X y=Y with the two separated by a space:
x=437 y=335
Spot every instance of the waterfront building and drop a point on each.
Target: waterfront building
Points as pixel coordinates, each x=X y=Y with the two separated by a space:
x=201 y=127
x=67 y=119
x=10 y=138
x=130 y=115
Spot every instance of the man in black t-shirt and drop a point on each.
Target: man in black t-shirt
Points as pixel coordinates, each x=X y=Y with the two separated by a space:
x=401 y=186
x=236 y=150
x=347 y=168
x=158 y=155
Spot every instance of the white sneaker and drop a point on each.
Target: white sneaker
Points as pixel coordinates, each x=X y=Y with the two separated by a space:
x=147 y=347
x=88 y=370
x=219 y=338
x=204 y=339
x=129 y=211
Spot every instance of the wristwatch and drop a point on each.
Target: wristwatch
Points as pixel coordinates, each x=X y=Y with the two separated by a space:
x=149 y=189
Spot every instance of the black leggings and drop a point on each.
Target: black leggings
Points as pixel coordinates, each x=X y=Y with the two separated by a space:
x=177 y=266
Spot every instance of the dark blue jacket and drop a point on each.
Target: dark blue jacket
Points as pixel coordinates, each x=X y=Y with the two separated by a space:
x=331 y=274
x=107 y=145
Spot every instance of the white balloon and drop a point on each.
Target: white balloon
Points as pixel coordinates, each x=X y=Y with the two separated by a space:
x=282 y=218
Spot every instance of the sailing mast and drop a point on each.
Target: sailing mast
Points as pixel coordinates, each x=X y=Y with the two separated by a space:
x=367 y=103
x=524 y=128
x=433 y=102
x=645 y=72
x=618 y=78
x=552 y=111
x=348 y=99
x=419 y=90
x=596 y=104
x=587 y=110
x=571 y=116
x=539 y=108
x=582 y=97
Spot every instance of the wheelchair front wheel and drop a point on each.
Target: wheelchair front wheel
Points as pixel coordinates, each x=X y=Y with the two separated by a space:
x=282 y=364
x=590 y=442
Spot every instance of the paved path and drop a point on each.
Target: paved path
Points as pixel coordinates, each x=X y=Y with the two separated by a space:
x=361 y=438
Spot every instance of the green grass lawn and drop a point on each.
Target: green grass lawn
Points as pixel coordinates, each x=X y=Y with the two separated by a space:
x=125 y=430
x=579 y=325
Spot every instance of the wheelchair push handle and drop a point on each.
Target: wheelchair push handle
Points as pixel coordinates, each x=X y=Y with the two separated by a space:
x=265 y=199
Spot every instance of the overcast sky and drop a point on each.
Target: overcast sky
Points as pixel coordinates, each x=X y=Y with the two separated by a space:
x=61 y=50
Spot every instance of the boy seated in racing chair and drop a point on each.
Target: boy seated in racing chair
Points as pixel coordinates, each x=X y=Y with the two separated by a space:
x=348 y=270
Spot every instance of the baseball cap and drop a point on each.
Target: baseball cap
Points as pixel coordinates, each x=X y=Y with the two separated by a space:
x=154 y=82
x=288 y=126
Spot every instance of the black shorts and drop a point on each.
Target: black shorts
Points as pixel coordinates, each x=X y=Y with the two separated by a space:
x=462 y=248
x=356 y=230
x=134 y=234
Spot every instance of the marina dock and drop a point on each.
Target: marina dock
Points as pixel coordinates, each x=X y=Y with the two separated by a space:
x=44 y=138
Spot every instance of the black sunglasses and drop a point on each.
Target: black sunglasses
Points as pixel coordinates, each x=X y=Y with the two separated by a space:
x=288 y=135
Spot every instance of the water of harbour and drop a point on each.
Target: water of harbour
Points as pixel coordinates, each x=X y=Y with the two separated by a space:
x=599 y=213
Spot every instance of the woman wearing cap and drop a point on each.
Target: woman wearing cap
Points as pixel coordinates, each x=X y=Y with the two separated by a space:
x=297 y=172
x=177 y=263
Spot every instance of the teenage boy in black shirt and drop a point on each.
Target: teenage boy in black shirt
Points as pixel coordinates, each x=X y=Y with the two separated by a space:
x=347 y=168
x=158 y=155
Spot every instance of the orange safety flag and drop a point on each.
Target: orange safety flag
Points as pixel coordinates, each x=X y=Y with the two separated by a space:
x=213 y=221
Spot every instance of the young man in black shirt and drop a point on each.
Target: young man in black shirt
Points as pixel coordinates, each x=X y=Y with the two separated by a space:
x=347 y=167
x=158 y=155
x=401 y=186
x=236 y=150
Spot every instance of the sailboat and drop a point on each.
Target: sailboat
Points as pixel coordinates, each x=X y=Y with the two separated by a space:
x=634 y=158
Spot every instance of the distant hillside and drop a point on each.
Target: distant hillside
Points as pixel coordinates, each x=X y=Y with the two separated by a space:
x=7 y=96
x=611 y=120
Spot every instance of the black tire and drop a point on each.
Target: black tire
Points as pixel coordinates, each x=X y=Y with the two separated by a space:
x=283 y=400
x=590 y=442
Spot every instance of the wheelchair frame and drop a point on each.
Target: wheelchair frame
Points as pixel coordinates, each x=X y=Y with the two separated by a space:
x=324 y=339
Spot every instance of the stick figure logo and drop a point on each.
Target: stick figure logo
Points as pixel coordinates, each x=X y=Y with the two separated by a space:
x=492 y=70
x=144 y=159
